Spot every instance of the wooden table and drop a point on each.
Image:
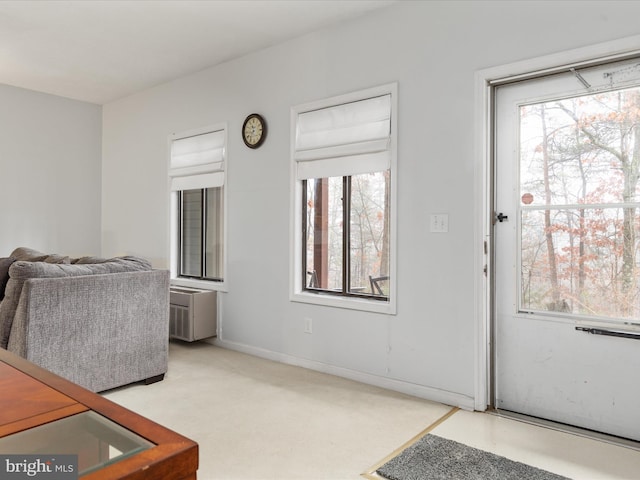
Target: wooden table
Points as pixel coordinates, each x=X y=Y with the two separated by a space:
x=31 y=396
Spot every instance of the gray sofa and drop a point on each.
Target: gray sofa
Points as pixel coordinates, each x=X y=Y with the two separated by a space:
x=101 y=323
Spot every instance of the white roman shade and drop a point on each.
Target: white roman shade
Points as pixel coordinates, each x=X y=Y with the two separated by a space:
x=345 y=139
x=197 y=161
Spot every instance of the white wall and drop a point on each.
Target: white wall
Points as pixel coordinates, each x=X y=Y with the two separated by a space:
x=50 y=161
x=432 y=49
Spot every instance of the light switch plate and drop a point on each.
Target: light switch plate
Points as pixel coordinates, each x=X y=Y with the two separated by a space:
x=439 y=223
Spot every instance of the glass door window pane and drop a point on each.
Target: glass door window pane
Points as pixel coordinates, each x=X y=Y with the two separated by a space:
x=579 y=185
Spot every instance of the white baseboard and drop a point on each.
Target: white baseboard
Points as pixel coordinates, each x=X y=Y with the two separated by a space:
x=420 y=391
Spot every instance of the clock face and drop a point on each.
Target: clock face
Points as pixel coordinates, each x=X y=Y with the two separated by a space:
x=254 y=130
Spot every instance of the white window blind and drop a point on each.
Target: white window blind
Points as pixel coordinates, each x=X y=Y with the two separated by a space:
x=198 y=161
x=345 y=139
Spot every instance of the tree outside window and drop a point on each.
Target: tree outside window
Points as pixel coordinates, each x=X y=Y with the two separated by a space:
x=346 y=222
x=580 y=166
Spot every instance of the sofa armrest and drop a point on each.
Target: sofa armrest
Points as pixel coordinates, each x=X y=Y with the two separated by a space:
x=99 y=331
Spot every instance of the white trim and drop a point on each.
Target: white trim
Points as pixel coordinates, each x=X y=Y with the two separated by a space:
x=350 y=303
x=193 y=132
x=600 y=53
x=295 y=280
x=186 y=282
x=201 y=284
x=482 y=269
x=433 y=394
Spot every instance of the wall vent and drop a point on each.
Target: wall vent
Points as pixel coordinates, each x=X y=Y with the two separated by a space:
x=192 y=314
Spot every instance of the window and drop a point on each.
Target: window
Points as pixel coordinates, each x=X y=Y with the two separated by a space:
x=198 y=206
x=344 y=163
x=349 y=237
x=201 y=234
x=580 y=229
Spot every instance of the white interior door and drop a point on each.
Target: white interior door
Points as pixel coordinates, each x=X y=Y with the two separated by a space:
x=567 y=292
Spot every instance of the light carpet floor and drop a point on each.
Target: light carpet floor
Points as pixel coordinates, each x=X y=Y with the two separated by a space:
x=255 y=419
x=259 y=420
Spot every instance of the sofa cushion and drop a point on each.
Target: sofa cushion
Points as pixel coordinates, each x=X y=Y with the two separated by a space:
x=21 y=271
x=28 y=254
x=24 y=270
x=5 y=263
x=55 y=258
x=31 y=255
x=85 y=260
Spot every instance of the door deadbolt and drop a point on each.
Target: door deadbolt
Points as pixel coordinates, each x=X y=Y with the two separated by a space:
x=501 y=217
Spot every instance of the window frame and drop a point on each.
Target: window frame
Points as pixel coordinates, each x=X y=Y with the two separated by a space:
x=175 y=224
x=204 y=205
x=354 y=301
x=346 y=182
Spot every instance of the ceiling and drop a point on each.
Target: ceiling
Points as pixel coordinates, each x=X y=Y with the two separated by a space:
x=98 y=51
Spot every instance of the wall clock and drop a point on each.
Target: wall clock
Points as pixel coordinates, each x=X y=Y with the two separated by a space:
x=254 y=130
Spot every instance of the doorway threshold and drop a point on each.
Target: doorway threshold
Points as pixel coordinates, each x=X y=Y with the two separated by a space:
x=562 y=427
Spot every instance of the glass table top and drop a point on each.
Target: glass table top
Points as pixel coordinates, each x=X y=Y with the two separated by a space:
x=96 y=440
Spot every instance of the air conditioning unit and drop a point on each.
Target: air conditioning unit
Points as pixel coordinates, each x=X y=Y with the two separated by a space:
x=192 y=313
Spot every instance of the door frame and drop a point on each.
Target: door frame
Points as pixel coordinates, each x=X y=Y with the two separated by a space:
x=486 y=81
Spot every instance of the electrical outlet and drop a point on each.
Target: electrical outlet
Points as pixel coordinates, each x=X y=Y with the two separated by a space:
x=308 y=325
